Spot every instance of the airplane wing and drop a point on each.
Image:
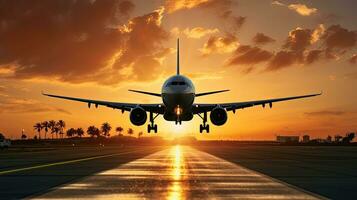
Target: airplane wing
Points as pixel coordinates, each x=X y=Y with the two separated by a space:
x=200 y=108
x=155 y=108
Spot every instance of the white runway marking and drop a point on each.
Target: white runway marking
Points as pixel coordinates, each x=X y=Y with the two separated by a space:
x=178 y=173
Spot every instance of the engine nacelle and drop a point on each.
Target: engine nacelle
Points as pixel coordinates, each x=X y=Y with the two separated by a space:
x=218 y=116
x=138 y=116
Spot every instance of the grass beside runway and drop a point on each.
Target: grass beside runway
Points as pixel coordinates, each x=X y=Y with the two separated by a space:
x=326 y=170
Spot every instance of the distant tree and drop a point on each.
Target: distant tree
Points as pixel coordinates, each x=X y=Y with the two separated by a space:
x=71 y=132
x=140 y=134
x=2 y=137
x=35 y=137
x=62 y=125
x=38 y=127
x=348 y=138
x=329 y=139
x=130 y=131
x=80 y=132
x=338 y=138
x=45 y=126
x=105 y=128
x=93 y=131
x=119 y=129
x=52 y=127
x=23 y=136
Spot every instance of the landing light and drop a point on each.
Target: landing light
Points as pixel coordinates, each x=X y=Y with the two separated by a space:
x=178 y=110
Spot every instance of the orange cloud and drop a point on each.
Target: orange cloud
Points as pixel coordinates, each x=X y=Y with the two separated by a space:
x=199 y=32
x=302 y=9
x=80 y=41
x=218 y=44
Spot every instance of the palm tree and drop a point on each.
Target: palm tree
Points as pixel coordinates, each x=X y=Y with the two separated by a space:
x=45 y=125
x=119 y=129
x=105 y=128
x=38 y=127
x=140 y=134
x=80 y=132
x=71 y=132
x=130 y=131
x=93 y=131
x=61 y=124
x=52 y=126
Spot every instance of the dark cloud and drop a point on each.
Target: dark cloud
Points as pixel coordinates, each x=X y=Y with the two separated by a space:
x=249 y=55
x=298 y=39
x=325 y=113
x=261 y=39
x=77 y=41
x=338 y=37
x=353 y=59
x=313 y=56
x=281 y=60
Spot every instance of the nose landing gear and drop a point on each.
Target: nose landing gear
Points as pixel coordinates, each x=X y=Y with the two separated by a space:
x=204 y=126
x=152 y=126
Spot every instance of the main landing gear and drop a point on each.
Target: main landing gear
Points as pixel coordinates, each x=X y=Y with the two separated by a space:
x=204 y=126
x=152 y=126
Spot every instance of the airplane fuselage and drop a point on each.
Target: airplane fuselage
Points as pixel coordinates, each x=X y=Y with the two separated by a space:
x=178 y=95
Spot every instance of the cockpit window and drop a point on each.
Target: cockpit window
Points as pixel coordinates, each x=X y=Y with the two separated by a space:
x=178 y=83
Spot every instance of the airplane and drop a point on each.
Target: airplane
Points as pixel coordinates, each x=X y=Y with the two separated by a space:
x=178 y=95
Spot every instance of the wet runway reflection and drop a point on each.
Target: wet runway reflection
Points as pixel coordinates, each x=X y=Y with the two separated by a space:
x=178 y=172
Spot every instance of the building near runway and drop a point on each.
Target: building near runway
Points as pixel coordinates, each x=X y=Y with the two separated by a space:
x=287 y=139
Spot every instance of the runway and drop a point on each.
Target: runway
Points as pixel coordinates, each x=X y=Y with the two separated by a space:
x=178 y=172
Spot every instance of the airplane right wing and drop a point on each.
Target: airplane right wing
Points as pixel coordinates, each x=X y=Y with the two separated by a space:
x=201 y=108
x=154 y=108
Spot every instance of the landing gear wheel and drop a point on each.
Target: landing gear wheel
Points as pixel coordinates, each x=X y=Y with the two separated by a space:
x=204 y=127
x=152 y=127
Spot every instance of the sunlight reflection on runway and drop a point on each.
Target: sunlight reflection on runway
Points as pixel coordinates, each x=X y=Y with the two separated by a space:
x=177 y=173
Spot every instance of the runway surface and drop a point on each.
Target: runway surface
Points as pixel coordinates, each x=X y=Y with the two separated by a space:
x=178 y=172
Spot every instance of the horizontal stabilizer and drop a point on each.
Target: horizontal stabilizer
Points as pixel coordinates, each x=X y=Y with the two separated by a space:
x=148 y=93
x=208 y=93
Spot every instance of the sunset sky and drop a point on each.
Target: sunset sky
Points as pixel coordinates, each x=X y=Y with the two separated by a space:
x=256 y=48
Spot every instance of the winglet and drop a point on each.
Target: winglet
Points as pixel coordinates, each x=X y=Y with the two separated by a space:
x=178 y=57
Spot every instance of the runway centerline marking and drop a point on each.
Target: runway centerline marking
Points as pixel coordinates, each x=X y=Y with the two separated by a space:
x=66 y=162
x=178 y=173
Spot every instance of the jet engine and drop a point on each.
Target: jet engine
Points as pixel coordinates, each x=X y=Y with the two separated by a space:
x=138 y=116
x=218 y=116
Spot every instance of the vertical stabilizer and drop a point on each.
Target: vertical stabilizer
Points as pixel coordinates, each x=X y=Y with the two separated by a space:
x=178 y=57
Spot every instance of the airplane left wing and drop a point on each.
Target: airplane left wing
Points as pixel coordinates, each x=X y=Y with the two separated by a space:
x=201 y=108
x=155 y=108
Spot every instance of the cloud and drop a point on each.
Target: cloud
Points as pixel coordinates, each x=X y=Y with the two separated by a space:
x=337 y=37
x=353 y=59
x=299 y=39
x=15 y=105
x=248 y=55
x=79 y=41
x=176 y=5
x=220 y=44
x=221 y=8
x=282 y=59
x=325 y=113
x=196 y=32
x=302 y=9
x=313 y=56
x=261 y=39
